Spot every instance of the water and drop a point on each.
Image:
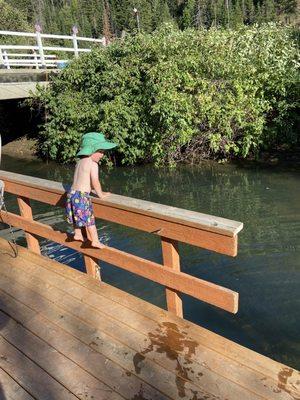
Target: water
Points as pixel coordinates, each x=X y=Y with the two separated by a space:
x=266 y=272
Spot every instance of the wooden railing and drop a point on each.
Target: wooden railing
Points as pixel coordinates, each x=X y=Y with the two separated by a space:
x=172 y=224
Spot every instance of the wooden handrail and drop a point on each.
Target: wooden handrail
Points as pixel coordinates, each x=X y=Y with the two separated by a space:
x=172 y=224
x=175 y=223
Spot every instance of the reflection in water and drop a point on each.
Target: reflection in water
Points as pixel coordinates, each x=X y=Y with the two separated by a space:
x=266 y=271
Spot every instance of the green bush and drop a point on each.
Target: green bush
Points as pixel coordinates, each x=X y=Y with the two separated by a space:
x=177 y=95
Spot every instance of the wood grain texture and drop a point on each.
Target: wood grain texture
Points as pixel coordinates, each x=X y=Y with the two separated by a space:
x=26 y=212
x=35 y=381
x=261 y=372
x=198 y=288
x=99 y=327
x=91 y=266
x=187 y=226
x=104 y=317
x=171 y=260
x=10 y=389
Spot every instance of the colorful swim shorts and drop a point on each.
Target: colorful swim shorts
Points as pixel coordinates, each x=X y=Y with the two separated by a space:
x=79 y=209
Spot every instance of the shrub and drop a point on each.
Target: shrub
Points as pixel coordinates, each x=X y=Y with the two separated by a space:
x=176 y=95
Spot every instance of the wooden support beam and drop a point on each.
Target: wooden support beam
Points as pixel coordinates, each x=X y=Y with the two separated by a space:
x=91 y=266
x=179 y=281
x=171 y=260
x=26 y=212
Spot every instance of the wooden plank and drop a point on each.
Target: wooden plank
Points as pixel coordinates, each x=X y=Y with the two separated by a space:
x=173 y=386
x=198 y=237
x=66 y=372
x=91 y=265
x=201 y=374
x=10 y=389
x=216 y=366
x=26 y=212
x=168 y=213
x=127 y=356
x=171 y=260
x=146 y=318
x=198 y=288
x=213 y=233
x=36 y=381
x=90 y=359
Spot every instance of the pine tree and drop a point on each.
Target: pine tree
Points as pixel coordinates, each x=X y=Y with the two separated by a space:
x=249 y=13
x=237 y=17
x=106 y=22
x=161 y=14
x=188 y=16
x=199 y=15
x=268 y=10
x=227 y=12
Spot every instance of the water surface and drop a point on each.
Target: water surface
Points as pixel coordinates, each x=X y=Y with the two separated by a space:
x=266 y=272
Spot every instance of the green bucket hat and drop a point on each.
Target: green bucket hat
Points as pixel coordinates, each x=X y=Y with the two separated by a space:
x=93 y=141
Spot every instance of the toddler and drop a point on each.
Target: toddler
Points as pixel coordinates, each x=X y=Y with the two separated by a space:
x=79 y=210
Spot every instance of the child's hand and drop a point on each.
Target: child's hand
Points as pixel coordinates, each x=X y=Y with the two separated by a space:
x=104 y=195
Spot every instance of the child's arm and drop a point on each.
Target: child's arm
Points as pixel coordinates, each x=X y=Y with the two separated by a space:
x=95 y=181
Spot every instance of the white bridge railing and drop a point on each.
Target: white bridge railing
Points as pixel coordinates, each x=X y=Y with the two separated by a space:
x=35 y=56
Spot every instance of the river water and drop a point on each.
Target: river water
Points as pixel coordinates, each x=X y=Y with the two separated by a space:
x=266 y=272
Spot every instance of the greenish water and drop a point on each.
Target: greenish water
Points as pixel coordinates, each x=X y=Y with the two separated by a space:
x=266 y=272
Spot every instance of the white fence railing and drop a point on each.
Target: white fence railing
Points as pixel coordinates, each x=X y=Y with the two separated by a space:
x=35 y=56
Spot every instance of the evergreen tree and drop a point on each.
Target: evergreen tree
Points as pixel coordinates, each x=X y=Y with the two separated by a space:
x=268 y=10
x=249 y=12
x=161 y=14
x=188 y=16
x=93 y=17
x=12 y=19
x=106 y=22
x=237 y=16
x=199 y=15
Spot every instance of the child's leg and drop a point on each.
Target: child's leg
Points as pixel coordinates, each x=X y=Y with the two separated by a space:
x=93 y=236
x=78 y=234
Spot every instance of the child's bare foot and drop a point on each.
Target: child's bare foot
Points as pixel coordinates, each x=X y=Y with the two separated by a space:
x=79 y=238
x=97 y=244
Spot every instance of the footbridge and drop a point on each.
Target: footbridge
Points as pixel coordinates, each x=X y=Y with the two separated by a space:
x=27 y=58
x=68 y=335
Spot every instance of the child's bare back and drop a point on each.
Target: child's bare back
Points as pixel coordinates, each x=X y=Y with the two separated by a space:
x=82 y=175
x=79 y=210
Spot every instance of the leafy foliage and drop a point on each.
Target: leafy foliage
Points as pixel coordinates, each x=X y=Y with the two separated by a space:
x=177 y=95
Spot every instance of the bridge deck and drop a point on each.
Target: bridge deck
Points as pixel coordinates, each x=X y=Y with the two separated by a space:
x=65 y=336
x=19 y=83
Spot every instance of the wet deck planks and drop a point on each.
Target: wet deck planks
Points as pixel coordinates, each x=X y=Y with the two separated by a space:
x=65 y=336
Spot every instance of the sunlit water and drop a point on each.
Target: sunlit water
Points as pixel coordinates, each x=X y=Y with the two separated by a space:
x=266 y=272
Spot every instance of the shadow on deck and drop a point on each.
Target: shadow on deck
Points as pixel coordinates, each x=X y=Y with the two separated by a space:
x=66 y=336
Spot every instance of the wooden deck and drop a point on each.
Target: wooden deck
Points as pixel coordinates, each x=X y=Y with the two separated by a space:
x=65 y=336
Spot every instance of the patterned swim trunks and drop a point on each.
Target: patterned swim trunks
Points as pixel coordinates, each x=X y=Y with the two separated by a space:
x=79 y=209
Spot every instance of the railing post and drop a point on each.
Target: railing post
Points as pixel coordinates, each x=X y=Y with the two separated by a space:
x=40 y=44
x=26 y=212
x=35 y=59
x=1 y=59
x=75 y=43
x=171 y=260
x=6 y=60
x=91 y=265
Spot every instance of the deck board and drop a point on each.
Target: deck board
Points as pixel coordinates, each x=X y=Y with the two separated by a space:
x=103 y=340
x=10 y=389
x=121 y=343
x=62 y=369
